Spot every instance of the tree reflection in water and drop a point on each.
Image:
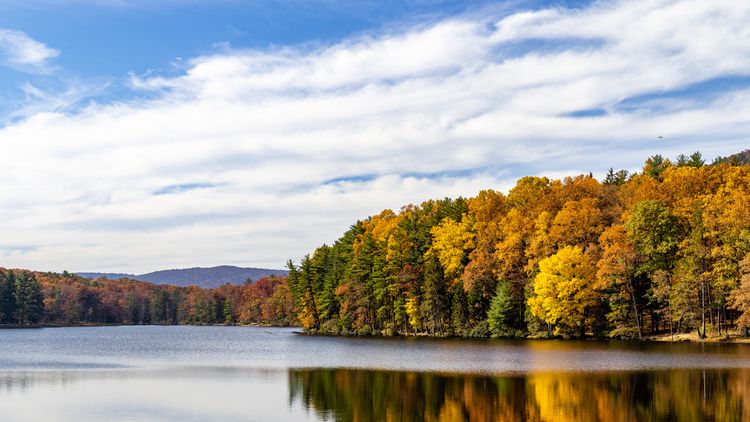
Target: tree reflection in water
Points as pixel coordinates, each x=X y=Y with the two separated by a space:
x=371 y=395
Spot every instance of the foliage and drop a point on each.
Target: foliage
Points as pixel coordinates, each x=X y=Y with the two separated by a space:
x=500 y=312
x=563 y=290
x=740 y=297
x=635 y=255
x=65 y=299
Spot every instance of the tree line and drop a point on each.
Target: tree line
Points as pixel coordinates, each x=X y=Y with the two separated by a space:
x=663 y=250
x=28 y=298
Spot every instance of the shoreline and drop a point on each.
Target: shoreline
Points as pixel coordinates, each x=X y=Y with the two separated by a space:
x=733 y=337
x=35 y=326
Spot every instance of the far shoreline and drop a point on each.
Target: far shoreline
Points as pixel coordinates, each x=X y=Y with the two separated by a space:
x=102 y=324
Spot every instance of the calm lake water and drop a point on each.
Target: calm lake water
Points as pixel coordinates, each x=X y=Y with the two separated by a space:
x=179 y=373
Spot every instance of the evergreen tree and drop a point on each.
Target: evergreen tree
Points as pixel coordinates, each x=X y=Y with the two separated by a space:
x=655 y=166
x=7 y=297
x=29 y=299
x=459 y=312
x=616 y=178
x=433 y=306
x=501 y=311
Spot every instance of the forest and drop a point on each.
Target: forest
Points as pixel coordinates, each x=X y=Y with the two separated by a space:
x=657 y=252
x=37 y=298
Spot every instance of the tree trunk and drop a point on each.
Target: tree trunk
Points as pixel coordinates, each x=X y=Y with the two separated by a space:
x=671 y=331
x=582 y=332
x=718 y=320
x=316 y=317
x=711 y=316
x=703 y=311
x=635 y=309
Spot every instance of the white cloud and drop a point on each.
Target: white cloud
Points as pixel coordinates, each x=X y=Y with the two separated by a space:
x=291 y=146
x=19 y=50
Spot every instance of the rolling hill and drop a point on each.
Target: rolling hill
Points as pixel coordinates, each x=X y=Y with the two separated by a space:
x=203 y=277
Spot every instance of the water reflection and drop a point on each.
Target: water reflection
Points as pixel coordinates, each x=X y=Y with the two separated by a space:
x=187 y=374
x=185 y=394
x=231 y=393
x=369 y=395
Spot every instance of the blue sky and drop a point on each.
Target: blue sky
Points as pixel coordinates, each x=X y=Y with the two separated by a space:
x=149 y=135
x=104 y=41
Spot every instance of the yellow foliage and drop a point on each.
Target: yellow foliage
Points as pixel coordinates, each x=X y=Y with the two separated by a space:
x=412 y=310
x=487 y=206
x=578 y=223
x=540 y=246
x=577 y=188
x=383 y=225
x=563 y=289
x=510 y=251
x=450 y=242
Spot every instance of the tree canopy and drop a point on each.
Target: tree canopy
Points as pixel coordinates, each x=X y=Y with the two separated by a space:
x=637 y=254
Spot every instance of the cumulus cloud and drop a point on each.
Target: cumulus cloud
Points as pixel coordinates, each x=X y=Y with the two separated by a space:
x=253 y=157
x=19 y=50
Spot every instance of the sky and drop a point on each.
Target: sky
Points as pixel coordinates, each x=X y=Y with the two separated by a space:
x=141 y=135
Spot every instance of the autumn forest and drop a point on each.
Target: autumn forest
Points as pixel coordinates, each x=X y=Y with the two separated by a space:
x=662 y=251
x=66 y=299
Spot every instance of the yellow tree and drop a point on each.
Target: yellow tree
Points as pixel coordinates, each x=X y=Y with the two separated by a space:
x=563 y=290
x=451 y=240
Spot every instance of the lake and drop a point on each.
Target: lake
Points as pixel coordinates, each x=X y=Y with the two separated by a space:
x=183 y=373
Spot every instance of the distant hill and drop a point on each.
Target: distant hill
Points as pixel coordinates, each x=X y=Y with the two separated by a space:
x=740 y=158
x=203 y=277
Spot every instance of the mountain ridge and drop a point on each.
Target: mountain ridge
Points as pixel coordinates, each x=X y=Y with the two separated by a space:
x=199 y=276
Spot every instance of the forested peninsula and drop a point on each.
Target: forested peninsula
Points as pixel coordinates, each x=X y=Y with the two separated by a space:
x=659 y=252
